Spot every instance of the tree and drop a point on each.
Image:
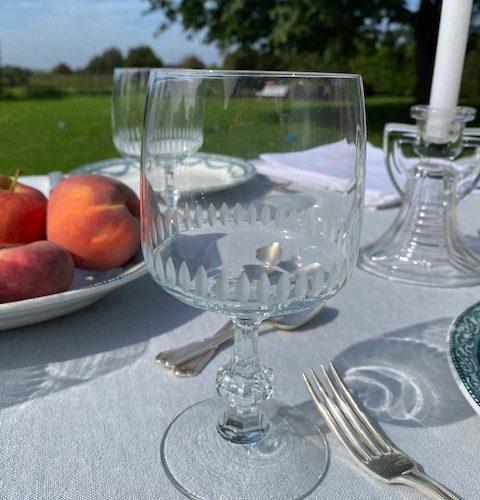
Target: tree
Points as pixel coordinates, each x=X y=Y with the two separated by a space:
x=14 y=75
x=191 y=62
x=241 y=59
x=106 y=62
x=142 y=57
x=380 y=70
x=334 y=30
x=62 y=69
x=471 y=74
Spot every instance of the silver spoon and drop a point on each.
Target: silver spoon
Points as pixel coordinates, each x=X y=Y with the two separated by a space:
x=175 y=357
x=271 y=254
x=189 y=360
x=193 y=357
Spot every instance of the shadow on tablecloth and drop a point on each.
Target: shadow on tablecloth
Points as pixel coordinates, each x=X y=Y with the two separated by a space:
x=403 y=377
x=473 y=242
x=52 y=356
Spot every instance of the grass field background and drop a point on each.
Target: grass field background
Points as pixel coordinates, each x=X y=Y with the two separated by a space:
x=41 y=135
x=61 y=133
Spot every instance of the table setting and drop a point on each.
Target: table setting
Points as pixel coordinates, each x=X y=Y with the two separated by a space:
x=268 y=306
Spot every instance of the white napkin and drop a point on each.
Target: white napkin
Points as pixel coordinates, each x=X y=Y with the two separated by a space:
x=314 y=165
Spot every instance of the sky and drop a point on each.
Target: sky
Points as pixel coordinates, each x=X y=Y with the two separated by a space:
x=39 y=34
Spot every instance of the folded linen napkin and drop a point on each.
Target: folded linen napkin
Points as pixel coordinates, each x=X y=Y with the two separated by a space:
x=314 y=165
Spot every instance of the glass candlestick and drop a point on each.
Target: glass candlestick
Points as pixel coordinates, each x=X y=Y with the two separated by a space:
x=433 y=165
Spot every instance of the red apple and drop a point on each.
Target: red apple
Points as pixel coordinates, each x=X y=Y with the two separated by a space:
x=33 y=270
x=23 y=212
x=97 y=219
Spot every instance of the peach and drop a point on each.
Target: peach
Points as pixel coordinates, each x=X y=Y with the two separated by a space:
x=97 y=219
x=33 y=270
x=23 y=212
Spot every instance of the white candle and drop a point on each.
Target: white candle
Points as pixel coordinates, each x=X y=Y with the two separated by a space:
x=448 y=69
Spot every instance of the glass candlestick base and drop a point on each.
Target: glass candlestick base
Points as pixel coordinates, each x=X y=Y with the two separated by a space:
x=439 y=159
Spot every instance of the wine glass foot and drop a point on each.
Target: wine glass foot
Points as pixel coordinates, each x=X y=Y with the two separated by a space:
x=288 y=463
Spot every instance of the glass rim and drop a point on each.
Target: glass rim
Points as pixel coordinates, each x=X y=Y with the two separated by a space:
x=254 y=73
x=130 y=69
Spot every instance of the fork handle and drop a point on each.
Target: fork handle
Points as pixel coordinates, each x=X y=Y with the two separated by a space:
x=427 y=485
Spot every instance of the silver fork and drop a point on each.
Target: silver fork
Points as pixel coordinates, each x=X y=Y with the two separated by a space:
x=364 y=440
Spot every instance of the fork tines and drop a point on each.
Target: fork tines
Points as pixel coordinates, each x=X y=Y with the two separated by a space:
x=354 y=429
x=343 y=415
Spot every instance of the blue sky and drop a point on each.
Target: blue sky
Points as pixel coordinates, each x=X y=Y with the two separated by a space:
x=39 y=34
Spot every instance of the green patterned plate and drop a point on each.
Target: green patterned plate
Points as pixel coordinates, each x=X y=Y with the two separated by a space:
x=465 y=353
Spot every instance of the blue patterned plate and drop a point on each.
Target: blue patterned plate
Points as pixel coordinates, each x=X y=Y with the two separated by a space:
x=207 y=172
x=465 y=353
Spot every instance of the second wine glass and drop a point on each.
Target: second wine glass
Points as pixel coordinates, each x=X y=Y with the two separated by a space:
x=128 y=103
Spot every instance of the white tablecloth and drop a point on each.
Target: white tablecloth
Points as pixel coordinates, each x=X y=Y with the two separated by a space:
x=83 y=405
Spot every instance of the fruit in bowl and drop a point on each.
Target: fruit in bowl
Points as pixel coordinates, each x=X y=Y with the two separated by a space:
x=33 y=270
x=23 y=212
x=97 y=219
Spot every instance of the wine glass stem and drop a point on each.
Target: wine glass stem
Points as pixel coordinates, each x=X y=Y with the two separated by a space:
x=171 y=193
x=243 y=383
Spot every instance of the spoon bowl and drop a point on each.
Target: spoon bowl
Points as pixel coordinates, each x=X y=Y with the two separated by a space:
x=189 y=360
x=296 y=320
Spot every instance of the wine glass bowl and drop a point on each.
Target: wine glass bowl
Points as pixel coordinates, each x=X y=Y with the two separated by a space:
x=206 y=277
x=128 y=103
x=204 y=249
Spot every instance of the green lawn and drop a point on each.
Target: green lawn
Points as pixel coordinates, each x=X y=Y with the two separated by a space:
x=382 y=110
x=40 y=135
x=303 y=125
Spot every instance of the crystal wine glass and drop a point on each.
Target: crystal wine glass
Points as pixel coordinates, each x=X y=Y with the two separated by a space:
x=308 y=145
x=128 y=103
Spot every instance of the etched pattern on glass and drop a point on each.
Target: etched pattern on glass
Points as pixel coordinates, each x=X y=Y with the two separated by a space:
x=206 y=281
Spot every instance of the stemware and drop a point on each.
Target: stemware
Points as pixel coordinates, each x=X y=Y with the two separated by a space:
x=202 y=248
x=128 y=103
